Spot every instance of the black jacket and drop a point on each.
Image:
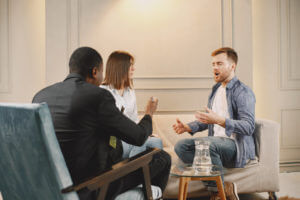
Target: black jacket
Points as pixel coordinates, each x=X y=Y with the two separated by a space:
x=84 y=118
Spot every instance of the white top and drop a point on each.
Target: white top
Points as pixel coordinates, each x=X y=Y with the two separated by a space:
x=128 y=101
x=220 y=107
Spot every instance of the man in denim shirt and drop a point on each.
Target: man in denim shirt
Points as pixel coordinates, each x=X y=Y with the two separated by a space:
x=229 y=118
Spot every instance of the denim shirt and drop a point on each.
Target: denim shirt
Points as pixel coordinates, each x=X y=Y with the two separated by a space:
x=241 y=108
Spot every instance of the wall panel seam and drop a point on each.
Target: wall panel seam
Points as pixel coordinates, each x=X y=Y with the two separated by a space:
x=5 y=83
x=282 y=146
x=285 y=43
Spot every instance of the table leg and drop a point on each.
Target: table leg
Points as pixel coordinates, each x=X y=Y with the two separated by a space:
x=183 y=184
x=220 y=188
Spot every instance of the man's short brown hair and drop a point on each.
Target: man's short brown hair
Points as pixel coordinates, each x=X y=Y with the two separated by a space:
x=230 y=52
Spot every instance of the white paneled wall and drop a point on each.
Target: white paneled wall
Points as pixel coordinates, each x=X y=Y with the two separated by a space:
x=171 y=41
x=22 y=49
x=289 y=16
x=276 y=45
x=289 y=29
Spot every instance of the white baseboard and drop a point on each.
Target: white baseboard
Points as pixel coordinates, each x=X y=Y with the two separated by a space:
x=290 y=167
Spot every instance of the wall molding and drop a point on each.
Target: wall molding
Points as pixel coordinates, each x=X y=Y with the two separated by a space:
x=177 y=93
x=291 y=10
x=287 y=82
x=5 y=50
x=170 y=88
x=173 y=77
x=227 y=22
x=292 y=166
x=168 y=112
x=62 y=37
x=73 y=26
x=73 y=19
x=173 y=82
x=73 y=8
x=282 y=145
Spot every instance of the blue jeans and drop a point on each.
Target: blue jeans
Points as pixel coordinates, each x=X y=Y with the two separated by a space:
x=130 y=150
x=222 y=152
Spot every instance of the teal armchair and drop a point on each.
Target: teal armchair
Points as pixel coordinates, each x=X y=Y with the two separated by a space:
x=32 y=166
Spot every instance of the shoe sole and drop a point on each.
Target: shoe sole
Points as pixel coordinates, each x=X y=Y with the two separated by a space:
x=235 y=191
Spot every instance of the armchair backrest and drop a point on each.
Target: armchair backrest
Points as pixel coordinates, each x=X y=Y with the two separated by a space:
x=32 y=166
x=257 y=137
x=266 y=137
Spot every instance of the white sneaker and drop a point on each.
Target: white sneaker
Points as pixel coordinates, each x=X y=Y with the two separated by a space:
x=231 y=191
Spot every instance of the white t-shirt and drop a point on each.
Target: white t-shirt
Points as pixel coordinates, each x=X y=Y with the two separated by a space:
x=220 y=107
x=128 y=101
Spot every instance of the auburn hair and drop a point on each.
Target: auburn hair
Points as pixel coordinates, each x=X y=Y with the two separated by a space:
x=117 y=70
x=230 y=52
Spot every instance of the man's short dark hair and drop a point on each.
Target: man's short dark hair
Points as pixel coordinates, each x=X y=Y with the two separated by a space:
x=83 y=60
x=230 y=52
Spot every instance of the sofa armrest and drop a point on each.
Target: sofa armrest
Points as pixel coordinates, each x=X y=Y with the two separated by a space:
x=162 y=126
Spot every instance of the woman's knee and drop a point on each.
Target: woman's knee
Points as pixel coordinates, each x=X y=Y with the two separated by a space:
x=154 y=142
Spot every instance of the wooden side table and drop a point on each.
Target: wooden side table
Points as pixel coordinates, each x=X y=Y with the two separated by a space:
x=186 y=173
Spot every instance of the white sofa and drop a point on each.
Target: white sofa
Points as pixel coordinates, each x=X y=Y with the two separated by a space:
x=259 y=175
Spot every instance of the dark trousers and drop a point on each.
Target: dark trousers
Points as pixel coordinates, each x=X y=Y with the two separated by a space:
x=159 y=167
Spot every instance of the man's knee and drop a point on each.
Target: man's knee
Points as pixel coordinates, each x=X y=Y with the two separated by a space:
x=213 y=149
x=179 y=147
x=164 y=158
x=167 y=157
x=184 y=146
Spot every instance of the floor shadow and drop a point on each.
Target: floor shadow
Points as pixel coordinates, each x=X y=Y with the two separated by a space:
x=241 y=196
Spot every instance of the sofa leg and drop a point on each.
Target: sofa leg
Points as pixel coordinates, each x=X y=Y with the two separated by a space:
x=272 y=196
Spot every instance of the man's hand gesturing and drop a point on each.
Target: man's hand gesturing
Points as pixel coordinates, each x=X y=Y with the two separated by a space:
x=210 y=117
x=180 y=128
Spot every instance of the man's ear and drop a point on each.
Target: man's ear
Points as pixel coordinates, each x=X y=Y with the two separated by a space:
x=94 y=72
x=233 y=66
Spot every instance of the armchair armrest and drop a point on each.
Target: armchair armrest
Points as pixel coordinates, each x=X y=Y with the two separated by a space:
x=268 y=139
x=119 y=170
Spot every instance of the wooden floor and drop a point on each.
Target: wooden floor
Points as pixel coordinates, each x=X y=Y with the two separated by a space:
x=289 y=189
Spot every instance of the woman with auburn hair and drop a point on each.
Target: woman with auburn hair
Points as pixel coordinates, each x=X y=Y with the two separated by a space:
x=118 y=80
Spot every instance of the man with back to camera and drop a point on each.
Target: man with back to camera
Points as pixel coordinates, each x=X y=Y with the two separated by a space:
x=229 y=118
x=85 y=117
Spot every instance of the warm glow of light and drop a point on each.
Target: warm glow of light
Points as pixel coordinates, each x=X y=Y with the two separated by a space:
x=159 y=33
x=144 y=5
x=145 y=9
